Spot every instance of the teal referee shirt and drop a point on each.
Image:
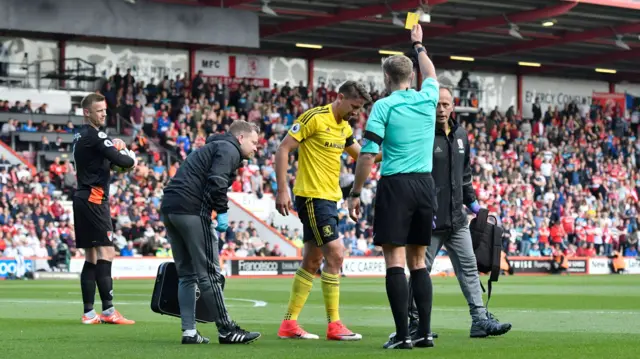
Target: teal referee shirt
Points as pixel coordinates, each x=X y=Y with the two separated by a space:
x=404 y=124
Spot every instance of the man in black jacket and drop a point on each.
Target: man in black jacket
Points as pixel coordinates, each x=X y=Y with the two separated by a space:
x=451 y=228
x=197 y=190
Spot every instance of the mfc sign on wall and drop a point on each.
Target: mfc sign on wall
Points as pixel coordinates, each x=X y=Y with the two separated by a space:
x=233 y=68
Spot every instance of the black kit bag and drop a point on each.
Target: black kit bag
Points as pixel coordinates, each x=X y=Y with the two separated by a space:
x=487 y=246
x=164 y=299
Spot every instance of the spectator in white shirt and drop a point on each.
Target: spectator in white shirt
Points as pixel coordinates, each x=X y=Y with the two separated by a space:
x=41 y=249
x=23 y=173
x=546 y=169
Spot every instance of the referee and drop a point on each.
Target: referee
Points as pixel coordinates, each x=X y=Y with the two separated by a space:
x=197 y=190
x=453 y=180
x=404 y=124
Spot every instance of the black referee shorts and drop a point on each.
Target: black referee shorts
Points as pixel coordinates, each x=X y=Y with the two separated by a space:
x=404 y=209
x=92 y=222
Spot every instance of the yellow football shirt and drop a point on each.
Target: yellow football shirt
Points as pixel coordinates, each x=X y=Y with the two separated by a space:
x=322 y=141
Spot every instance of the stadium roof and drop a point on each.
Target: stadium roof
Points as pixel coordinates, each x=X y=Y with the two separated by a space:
x=582 y=37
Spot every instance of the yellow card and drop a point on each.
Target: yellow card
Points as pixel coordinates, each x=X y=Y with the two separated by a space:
x=412 y=19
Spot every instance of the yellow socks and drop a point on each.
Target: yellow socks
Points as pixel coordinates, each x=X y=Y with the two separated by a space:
x=331 y=293
x=302 y=284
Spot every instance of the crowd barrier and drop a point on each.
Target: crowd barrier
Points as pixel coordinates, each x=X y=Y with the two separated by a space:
x=147 y=267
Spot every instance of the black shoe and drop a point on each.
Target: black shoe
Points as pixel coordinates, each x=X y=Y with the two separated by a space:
x=488 y=327
x=424 y=342
x=413 y=328
x=413 y=332
x=396 y=343
x=196 y=339
x=237 y=335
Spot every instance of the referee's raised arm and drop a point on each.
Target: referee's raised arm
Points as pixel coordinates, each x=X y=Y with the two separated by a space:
x=426 y=66
x=404 y=124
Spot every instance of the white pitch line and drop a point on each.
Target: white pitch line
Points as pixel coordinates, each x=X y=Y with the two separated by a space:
x=58 y=301
x=528 y=311
x=256 y=303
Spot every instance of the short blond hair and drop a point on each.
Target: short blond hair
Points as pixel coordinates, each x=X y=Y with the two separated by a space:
x=399 y=68
x=90 y=99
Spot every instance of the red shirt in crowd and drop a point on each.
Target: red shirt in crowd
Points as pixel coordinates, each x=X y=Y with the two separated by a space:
x=57 y=168
x=236 y=186
x=590 y=231
x=568 y=223
x=543 y=235
x=557 y=233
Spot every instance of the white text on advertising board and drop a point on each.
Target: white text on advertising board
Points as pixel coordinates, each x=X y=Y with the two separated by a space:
x=10 y=266
x=366 y=267
x=258 y=266
x=548 y=98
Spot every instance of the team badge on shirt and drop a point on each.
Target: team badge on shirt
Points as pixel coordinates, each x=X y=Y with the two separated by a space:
x=102 y=134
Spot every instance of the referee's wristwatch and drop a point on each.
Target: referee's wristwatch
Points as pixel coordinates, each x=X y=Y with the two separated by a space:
x=354 y=194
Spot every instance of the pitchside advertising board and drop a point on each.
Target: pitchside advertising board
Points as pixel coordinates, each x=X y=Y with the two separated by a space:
x=528 y=265
x=260 y=267
x=603 y=265
x=8 y=265
x=354 y=266
x=135 y=267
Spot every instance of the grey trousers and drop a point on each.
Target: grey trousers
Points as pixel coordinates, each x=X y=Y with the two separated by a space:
x=195 y=253
x=460 y=249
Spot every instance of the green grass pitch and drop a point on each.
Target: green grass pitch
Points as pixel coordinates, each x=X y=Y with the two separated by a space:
x=553 y=317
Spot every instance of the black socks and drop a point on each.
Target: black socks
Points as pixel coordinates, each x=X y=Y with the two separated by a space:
x=398 y=294
x=88 y=285
x=105 y=283
x=423 y=295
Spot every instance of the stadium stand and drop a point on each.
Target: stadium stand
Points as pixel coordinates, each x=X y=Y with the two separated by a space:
x=564 y=177
x=525 y=170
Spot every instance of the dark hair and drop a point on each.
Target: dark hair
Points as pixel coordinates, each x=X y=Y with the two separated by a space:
x=351 y=89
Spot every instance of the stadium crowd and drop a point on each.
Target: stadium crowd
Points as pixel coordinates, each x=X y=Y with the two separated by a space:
x=566 y=178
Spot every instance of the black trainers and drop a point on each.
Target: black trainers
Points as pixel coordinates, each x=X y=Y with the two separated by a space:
x=196 y=339
x=423 y=342
x=413 y=332
x=397 y=343
x=488 y=327
x=237 y=335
